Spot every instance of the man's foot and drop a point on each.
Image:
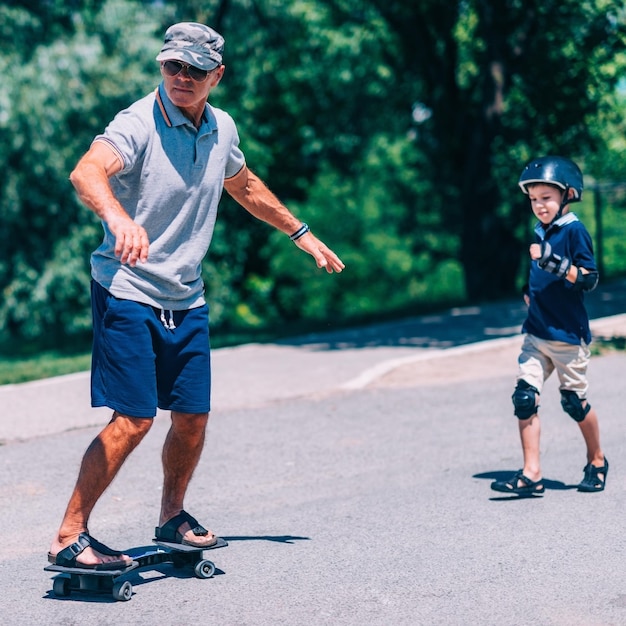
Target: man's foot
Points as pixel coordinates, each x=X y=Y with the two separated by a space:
x=88 y=553
x=520 y=485
x=185 y=529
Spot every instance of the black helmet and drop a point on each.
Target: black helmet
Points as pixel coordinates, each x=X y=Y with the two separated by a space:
x=554 y=170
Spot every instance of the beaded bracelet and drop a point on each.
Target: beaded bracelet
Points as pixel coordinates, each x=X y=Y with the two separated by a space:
x=303 y=230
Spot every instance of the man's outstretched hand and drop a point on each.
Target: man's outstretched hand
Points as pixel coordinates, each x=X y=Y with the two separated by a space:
x=323 y=255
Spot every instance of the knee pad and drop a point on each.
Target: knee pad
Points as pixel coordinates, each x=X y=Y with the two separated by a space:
x=573 y=405
x=525 y=400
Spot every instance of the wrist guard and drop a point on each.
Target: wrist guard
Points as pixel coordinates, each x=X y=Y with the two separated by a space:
x=553 y=263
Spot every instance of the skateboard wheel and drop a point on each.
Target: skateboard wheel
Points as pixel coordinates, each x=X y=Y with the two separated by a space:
x=204 y=569
x=61 y=586
x=122 y=590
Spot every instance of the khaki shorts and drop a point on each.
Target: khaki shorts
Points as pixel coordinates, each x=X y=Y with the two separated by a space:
x=540 y=357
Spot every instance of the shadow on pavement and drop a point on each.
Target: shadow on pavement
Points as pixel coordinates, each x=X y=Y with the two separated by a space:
x=275 y=538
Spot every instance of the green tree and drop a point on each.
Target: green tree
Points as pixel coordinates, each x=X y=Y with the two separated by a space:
x=471 y=90
x=502 y=81
x=398 y=129
x=65 y=91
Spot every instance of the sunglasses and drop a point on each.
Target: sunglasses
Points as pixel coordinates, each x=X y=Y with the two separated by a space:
x=172 y=68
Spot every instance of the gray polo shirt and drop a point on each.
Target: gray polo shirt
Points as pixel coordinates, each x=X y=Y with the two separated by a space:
x=171 y=184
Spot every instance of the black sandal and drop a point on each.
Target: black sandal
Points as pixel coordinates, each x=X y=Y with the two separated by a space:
x=528 y=488
x=169 y=531
x=592 y=481
x=67 y=556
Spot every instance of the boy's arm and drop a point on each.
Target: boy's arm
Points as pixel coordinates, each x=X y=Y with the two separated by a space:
x=582 y=278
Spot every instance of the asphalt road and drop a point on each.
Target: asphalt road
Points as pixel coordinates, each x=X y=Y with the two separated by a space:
x=350 y=474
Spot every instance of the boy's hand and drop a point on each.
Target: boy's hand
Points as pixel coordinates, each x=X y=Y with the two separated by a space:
x=535 y=251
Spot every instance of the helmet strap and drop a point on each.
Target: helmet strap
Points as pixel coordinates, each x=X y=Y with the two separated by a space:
x=564 y=202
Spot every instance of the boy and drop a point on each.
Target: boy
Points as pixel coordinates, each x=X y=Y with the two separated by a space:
x=557 y=327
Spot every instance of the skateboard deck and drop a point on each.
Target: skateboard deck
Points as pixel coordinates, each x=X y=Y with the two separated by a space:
x=88 y=580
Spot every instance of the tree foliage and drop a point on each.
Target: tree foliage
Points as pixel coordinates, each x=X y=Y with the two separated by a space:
x=396 y=129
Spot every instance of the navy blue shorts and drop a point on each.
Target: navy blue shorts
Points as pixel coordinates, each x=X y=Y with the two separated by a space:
x=141 y=361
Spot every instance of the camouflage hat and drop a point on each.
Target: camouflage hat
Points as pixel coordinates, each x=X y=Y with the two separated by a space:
x=193 y=43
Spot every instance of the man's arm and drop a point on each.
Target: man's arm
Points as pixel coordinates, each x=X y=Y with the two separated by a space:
x=254 y=196
x=90 y=178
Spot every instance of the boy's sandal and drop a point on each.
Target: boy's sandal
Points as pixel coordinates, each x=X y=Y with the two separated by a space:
x=528 y=488
x=594 y=478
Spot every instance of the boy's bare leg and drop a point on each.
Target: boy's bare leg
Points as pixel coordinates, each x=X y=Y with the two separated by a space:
x=591 y=433
x=530 y=433
x=181 y=453
x=101 y=462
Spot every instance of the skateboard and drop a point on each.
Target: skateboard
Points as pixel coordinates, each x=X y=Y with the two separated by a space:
x=109 y=581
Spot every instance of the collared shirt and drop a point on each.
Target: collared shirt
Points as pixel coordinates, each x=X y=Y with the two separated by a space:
x=171 y=183
x=557 y=310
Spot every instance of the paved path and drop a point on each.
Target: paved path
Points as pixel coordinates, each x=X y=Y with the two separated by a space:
x=350 y=474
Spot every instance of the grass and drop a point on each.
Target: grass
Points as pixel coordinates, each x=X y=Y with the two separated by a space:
x=33 y=365
x=45 y=365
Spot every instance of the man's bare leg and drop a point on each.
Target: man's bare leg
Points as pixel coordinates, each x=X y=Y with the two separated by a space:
x=101 y=462
x=181 y=453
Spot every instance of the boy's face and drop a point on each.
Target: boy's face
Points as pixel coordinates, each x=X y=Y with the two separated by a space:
x=545 y=201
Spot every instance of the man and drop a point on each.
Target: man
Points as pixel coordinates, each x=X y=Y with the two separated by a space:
x=154 y=178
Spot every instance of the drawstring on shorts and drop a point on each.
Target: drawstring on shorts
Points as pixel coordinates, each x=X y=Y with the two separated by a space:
x=168 y=324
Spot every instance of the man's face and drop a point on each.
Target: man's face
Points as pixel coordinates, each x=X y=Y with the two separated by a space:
x=184 y=91
x=545 y=201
